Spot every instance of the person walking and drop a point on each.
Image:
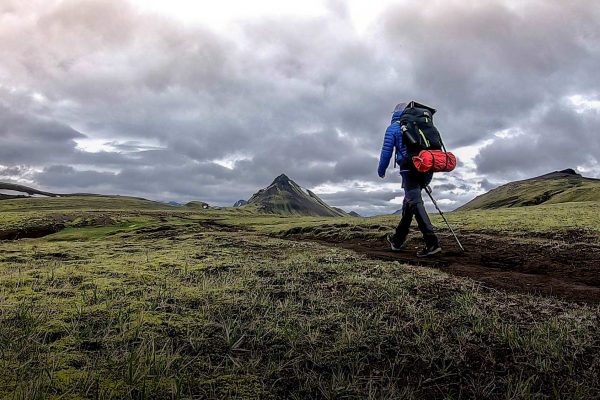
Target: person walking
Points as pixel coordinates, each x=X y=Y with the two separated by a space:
x=413 y=182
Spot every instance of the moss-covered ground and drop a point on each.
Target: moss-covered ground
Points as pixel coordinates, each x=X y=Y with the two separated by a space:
x=133 y=302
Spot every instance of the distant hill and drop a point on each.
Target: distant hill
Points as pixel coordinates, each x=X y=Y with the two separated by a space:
x=556 y=187
x=240 y=203
x=284 y=196
x=28 y=192
x=66 y=201
x=95 y=203
x=22 y=189
x=354 y=214
x=198 y=204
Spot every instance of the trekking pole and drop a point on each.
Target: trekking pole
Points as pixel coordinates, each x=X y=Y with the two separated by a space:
x=428 y=190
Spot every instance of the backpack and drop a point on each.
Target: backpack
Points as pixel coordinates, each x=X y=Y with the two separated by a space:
x=418 y=131
x=423 y=141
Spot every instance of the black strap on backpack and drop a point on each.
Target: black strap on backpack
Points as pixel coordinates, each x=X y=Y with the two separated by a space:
x=418 y=129
x=443 y=146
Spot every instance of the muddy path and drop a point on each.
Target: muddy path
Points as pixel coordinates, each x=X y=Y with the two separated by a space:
x=567 y=268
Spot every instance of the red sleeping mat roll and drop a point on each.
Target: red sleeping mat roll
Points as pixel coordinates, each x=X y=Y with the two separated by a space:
x=434 y=160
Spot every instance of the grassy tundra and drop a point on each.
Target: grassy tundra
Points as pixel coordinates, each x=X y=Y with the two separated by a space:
x=125 y=298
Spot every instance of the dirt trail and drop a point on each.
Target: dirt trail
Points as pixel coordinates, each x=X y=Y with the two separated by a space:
x=568 y=268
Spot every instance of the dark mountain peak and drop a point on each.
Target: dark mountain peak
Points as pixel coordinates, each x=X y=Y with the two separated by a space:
x=281 y=180
x=565 y=173
x=569 y=171
x=284 y=196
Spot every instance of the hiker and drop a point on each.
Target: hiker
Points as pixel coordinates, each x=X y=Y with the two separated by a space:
x=413 y=182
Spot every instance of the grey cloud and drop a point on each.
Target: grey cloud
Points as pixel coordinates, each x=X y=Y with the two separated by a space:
x=365 y=203
x=64 y=176
x=306 y=96
x=6 y=171
x=359 y=166
x=487 y=66
x=487 y=185
x=446 y=186
x=33 y=139
x=353 y=196
x=557 y=139
x=183 y=183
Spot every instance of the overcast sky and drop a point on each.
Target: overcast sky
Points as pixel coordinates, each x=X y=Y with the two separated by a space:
x=183 y=100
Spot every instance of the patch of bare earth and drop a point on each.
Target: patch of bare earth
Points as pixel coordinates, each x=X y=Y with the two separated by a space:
x=565 y=265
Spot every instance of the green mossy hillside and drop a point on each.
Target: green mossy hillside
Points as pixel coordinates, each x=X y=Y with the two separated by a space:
x=169 y=302
x=554 y=188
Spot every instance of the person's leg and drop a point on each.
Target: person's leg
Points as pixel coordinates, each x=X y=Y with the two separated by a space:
x=403 y=227
x=419 y=181
x=399 y=237
x=425 y=225
x=412 y=189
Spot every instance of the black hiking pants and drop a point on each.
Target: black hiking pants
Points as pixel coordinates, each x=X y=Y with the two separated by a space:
x=413 y=182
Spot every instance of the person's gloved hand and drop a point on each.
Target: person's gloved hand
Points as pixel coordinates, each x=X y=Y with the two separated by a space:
x=381 y=174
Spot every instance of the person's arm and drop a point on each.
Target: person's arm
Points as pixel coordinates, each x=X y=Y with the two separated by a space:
x=387 y=150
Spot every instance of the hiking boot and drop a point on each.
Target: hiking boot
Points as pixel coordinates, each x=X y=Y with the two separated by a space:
x=429 y=251
x=395 y=245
